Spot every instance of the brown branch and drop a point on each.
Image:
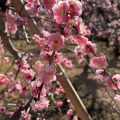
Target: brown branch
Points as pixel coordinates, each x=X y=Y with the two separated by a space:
x=31 y=22
x=6 y=40
x=17 y=114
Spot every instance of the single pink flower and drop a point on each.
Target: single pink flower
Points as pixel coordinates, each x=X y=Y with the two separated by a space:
x=6 y=59
x=117 y=98
x=11 y=19
x=2 y=78
x=60 y=12
x=10 y=74
x=18 y=87
x=75 y=8
x=23 y=90
x=56 y=41
x=59 y=104
x=114 y=83
x=89 y=48
x=47 y=74
x=101 y=74
x=46 y=55
x=24 y=65
x=78 y=51
x=12 y=28
x=48 y=4
x=70 y=112
x=38 y=65
x=75 y=118
x=41 y=41
x=98 y=62
x=2 y=109
x=72 y=39
x=35 y=88
x=35 y=11
x=59 y=90
x=67 y=32
x=41 y=104
x=67 y=63
x=45 y=33
x=28 y=74
x=81 y=40
x=25 y=115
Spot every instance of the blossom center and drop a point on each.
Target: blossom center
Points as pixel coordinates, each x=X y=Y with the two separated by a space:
x=62 y=12
x=56 y=41
x=72 y=8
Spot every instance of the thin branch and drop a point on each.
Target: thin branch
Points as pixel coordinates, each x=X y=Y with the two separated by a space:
x=17 y=114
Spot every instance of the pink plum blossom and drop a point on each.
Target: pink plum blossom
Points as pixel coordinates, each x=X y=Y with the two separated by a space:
x=18 y=87
x=117 y=98
x=41 y=104
x=36 y=89
x=79 y=24
x=59 y=104
x=23 y=90
x=75 y=7
x=9 y=113
x=2 y=78
x=6 y=59
x=67 y=63
x=70 y=112
x=10 y=74
x=45 y=33
x=21 y=20
x=72 y=40
x=12 y=28
x=24 y=65
x=47 y=74
x=78 y=51
x=11 y=19
x=46 y=55
x=31 y=56
x=41 y=41
x=2 y=109
x=59 y=90
x=60 y=12
x=25 y=115
x=98 y=62
x=114 y=83
x=75 y=118
x=81 y=40
x=56 y=41
x=67 y=32
x=101 y=74
x=35 y=11
x=48 y=4
x=28 y=74
x=89 y=48
x=38 y=65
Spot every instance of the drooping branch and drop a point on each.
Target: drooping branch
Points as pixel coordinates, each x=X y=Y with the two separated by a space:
x=17 y=114
x=18 y=4
x=6 y=40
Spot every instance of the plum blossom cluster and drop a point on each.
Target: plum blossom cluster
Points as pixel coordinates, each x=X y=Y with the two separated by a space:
x=102 y=23
x=70 y=26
